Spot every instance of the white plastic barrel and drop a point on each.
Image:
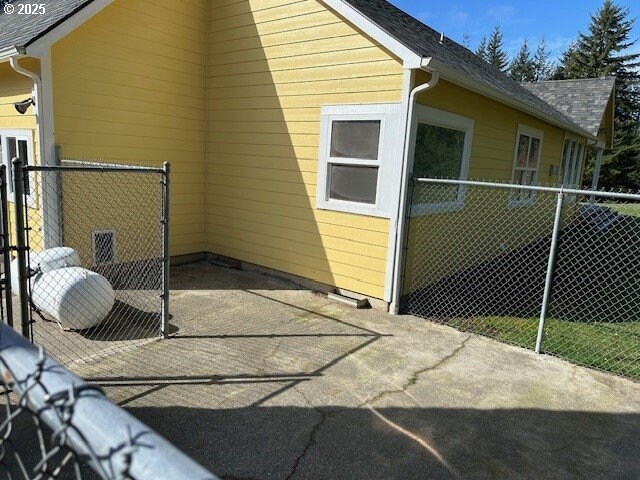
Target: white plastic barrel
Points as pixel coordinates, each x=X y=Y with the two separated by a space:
x=75 y=297
x=46 y=261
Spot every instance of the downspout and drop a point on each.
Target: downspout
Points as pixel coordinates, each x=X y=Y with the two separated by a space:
x=48 y=187
x=394 y=308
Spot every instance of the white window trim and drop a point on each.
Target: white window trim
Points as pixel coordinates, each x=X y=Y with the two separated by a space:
x=389 y=151
x=18 y=134
x=441 y=118
x=567 y=174
x=533 y=133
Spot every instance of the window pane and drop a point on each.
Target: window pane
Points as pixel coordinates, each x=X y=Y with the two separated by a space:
x=353 y=183
x=439 y=152
x=533 y=154
x=355 y=139
x=12 y=152
x=523 y=150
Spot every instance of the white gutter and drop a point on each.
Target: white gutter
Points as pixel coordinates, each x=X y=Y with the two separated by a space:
x=394 y=308
x=8 y=52
x=467 y=82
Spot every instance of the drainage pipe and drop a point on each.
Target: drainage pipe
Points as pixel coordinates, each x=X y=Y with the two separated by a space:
x=403 y=206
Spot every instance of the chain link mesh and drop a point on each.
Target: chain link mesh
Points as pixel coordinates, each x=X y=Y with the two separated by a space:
x=477 y=256
x=108 y=297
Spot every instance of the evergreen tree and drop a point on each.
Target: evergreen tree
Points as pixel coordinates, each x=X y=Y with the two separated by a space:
x=466 y=40
x=481 y=51
x=600 y=52
x=522 y=67
x=542 y=65
x=496 y=54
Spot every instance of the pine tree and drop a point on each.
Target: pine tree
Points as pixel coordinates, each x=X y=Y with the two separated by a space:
x=496 y=54
x=522 y=67
x=600 y=52
x=466 y=40
x=543 y=66
x=481 y=51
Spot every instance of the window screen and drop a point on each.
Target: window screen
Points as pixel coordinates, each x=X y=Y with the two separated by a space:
x=353 y=183
x=355 y=139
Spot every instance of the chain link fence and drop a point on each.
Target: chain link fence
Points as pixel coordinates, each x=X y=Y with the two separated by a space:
x=538 y=267
x=55 y=425
x=96 y=263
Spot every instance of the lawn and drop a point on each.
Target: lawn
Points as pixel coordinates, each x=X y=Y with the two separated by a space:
x=614 y=347
x=630 y=209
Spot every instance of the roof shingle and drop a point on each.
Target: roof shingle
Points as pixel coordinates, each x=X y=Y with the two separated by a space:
x=22 y=30
x=584 y=101
x=425 y=41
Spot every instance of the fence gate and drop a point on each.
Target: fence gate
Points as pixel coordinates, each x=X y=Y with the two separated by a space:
x=92 y=254
x=545 y=268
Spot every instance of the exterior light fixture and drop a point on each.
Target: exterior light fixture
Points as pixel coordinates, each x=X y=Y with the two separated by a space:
x=24 y=105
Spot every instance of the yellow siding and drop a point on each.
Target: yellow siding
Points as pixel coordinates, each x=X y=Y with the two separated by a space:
x=486 y=216
x=129 y=87
x=13 y=88
x=272 y=64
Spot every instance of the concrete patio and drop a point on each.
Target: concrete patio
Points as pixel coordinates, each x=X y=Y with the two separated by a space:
x=262 y=380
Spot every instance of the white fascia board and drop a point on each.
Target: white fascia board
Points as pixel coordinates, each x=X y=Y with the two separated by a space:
x=410 y=59
x=41 y=46
x=469 y=83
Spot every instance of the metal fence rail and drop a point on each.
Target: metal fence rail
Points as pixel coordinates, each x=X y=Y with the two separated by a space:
x=92 y=255
x=55 y=425
x=545 y=268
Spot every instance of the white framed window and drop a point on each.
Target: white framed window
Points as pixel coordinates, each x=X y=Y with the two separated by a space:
x=441 y=148
x=571 y=163
x=17 y=143
x=526 y=164
x=359 y=149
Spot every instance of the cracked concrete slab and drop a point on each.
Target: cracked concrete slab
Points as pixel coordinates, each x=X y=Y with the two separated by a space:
x=263 y=380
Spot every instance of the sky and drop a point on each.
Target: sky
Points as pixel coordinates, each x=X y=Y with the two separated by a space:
x=559 y=21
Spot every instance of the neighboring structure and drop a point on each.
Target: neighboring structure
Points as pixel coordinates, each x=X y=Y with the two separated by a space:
x=292 y=127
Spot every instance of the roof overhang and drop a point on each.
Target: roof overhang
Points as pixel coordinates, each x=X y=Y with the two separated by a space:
x=39 y=46
x=409 y=58
x=459 y=78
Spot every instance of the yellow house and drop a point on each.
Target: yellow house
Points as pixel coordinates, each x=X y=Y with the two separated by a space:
x=291 y=127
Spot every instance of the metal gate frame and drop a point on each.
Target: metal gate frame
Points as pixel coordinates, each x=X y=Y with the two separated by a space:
x=20 y=183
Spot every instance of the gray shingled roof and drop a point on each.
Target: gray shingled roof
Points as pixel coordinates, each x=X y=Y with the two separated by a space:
x=22 y=30
x=584 y=101
x=425 y=41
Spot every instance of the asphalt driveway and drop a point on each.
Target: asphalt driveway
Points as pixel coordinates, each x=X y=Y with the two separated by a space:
x=262 y=380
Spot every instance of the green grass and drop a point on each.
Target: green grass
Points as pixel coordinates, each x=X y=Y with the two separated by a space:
x=613 y=347
x=630 y=209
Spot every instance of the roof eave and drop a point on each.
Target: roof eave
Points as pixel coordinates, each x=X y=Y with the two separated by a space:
x=8 y=52
x=469 y=83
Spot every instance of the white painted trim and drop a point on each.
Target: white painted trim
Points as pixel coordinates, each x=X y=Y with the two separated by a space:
x=41 y=45
x=463 y=80
x=408 y=79
x=388 y=153
x=533 y=133
x=24 y=134
x=8 y=52
x=409 y=58
x=441 y=118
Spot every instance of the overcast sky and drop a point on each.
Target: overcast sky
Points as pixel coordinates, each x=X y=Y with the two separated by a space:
x=559 y=21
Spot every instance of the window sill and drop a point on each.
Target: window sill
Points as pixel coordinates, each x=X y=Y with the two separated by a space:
x=352 y=207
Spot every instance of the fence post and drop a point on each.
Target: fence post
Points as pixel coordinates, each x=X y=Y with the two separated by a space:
x=23 y=268
x=550 y=265
x=6 y=244
x=165 y=248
